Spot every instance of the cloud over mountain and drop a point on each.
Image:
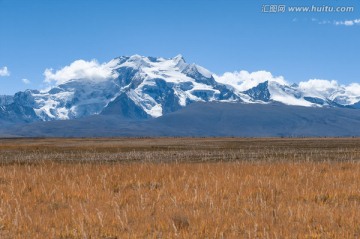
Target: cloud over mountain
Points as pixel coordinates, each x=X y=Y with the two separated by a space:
x=81 y=69
x=245 y=80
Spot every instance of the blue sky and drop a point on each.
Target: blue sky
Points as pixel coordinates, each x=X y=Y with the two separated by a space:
x=221 y=35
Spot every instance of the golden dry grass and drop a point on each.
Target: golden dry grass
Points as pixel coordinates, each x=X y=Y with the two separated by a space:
x=179 y=188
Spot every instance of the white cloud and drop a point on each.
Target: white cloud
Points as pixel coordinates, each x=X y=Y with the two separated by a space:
x=4 y=71
x=26 y=81
x=81 y=69
x=353 y=89
x=318 y=84
x=244 y=80
x=348 y=22
x=319 y=87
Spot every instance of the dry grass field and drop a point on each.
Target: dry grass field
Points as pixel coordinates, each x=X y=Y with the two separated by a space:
x=179 y=188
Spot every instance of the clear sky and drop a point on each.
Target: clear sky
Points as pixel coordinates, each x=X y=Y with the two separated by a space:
x=221 y=35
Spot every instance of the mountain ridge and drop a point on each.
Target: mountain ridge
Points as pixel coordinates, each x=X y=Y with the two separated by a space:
x=138 y=87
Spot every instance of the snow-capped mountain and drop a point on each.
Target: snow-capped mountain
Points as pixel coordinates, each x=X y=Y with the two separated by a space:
x=312 y=93
x=149 y=87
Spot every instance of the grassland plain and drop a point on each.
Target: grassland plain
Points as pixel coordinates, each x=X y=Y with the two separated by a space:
x=180 y=188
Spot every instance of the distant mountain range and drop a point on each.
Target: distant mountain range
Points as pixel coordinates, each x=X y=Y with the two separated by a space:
x=161 y=97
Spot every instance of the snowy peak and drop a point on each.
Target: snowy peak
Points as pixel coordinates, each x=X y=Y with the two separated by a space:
x=148 y=87
x=259 y=92
x=159 y=86
x=179 y=60
x=155 y=86
x=262 y=87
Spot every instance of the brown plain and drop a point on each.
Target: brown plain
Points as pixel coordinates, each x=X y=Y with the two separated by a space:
x=179 y=188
